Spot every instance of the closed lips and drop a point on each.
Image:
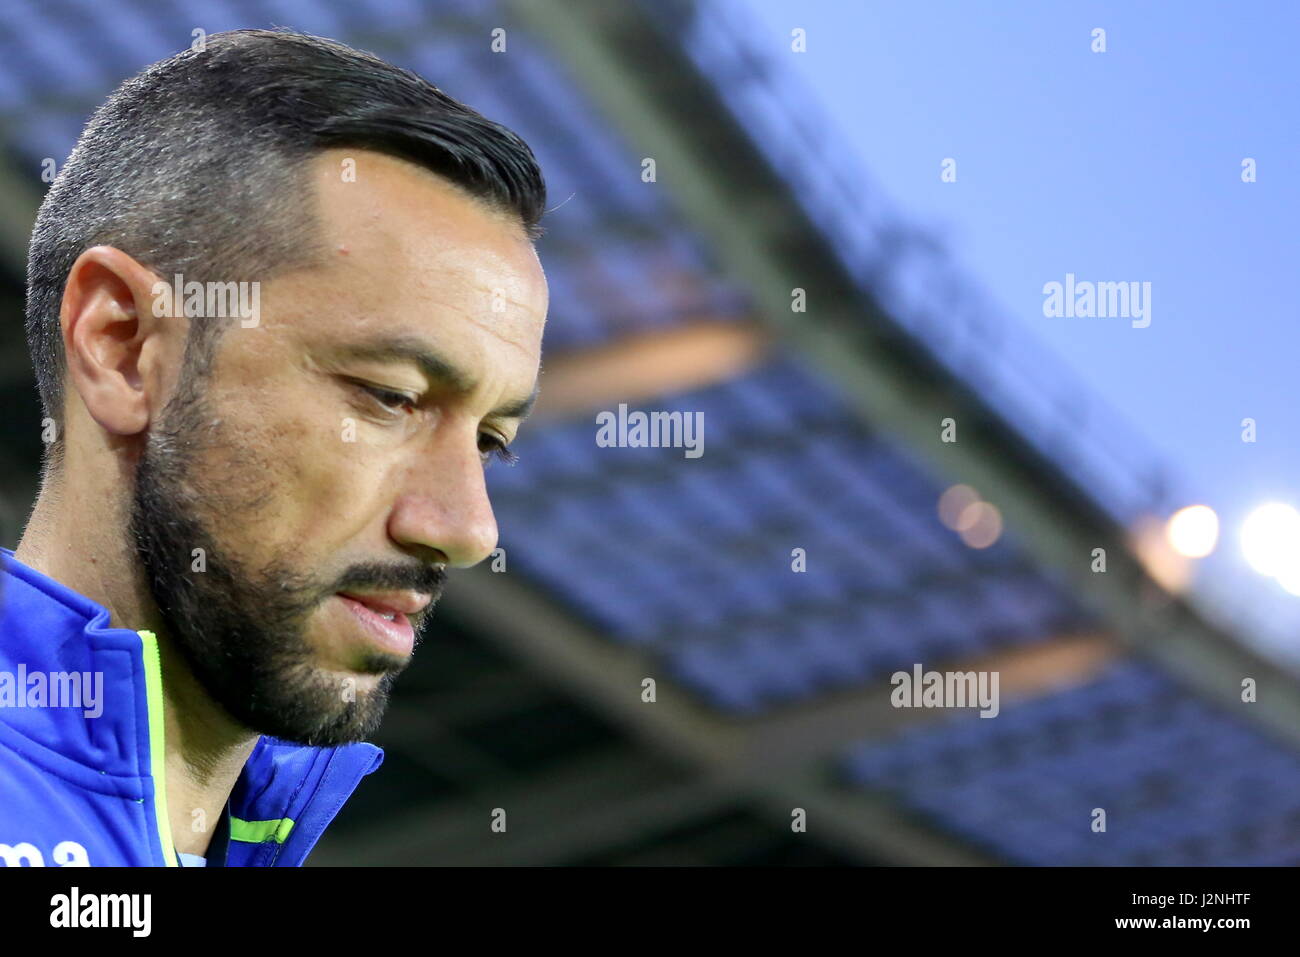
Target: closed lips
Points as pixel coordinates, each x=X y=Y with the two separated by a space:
x=391 y=604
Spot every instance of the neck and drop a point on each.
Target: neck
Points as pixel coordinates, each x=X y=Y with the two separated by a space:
x=206 y=751
x=75 y=540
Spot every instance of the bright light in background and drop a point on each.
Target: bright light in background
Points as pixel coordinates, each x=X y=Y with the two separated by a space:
x=1290 y=580
x=1149 y=538
x=977 y=522
x=1193 y=531
x=954 y=502
x=980 y=524
x=1270 y=540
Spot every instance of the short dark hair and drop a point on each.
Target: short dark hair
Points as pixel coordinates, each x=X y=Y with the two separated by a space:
x=197 y=166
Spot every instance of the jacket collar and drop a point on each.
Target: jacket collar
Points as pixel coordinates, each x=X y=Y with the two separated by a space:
x=286 y=794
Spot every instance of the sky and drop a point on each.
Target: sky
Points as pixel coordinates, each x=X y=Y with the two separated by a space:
x=1123 y=165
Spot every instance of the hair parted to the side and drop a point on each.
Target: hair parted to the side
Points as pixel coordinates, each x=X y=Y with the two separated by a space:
x=198 y=166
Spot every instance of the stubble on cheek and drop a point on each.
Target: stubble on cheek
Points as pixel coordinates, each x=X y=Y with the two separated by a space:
x=271 y=488
x=246 y=477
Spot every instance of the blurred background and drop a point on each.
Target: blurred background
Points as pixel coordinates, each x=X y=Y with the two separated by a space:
x=838 y=255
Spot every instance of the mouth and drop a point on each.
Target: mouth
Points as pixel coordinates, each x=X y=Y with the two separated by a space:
x=381 y=626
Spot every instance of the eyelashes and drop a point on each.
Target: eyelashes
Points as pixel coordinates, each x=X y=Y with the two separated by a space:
x=495 y=449
x=391 y=401
x=490 y=446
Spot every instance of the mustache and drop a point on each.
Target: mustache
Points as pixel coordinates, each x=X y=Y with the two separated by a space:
x=378 y=576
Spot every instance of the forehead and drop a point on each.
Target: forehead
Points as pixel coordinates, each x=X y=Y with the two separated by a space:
x=401 y=244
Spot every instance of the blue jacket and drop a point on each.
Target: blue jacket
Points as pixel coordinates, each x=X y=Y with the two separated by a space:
x=78 y=787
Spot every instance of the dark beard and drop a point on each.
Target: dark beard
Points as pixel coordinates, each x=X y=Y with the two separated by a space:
x=241 y=631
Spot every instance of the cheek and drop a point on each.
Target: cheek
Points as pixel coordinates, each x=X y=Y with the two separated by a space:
x=305 y=471
x=293 y=474
x=328 y=480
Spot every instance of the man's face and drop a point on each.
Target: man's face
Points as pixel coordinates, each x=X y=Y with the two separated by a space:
x=338 y=446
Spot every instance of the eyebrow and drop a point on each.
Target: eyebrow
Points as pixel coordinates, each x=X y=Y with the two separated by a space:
x=436 y=367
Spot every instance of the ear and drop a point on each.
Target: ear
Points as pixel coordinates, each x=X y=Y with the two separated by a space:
x=118 y=351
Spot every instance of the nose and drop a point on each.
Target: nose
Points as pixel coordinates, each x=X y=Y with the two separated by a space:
x=443 y=504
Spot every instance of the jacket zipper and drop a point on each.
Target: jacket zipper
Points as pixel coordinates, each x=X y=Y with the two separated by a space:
x=157 y=750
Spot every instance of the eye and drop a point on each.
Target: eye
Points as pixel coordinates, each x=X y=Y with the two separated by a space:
x=490 y=446
x=390 y=400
